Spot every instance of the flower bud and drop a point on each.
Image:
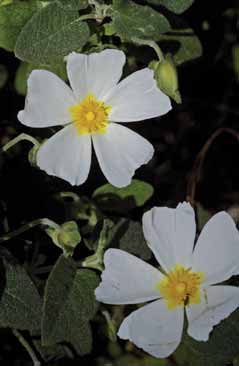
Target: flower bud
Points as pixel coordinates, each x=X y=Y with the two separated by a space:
x=66 y=237
x=165 y=73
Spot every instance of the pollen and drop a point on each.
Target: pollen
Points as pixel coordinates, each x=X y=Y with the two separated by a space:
x=181 y=287
x=90 y=116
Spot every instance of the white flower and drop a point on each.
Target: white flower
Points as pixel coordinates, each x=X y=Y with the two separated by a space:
x=90 y=111
x=189 y=274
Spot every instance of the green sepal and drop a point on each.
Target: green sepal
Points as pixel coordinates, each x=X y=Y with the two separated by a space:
x=166 y=75
x=66 y=237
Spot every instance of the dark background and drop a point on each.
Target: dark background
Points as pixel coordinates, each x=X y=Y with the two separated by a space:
x=210 y=101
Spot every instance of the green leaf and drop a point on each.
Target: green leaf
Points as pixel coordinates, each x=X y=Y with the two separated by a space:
x=219 y=350
x=49 y=353
x=69 y=304
x=5 y=2
x=136 y=21
x=20 y=302
x=73 y=4
x=190 y=46
x=126 y=235
x=129 y=237
x=129 y=359
x=51 y=34
x=109 y=29
x=25 y=69
x=134 y=195
x=13 y=17
x=176 y=6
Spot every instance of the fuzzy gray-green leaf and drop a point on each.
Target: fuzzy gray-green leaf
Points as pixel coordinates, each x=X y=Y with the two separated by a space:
x=134 y=195
x=131 y=20
x=73 y=4
x=20 y=302
x=13 y=18
x=219 y=350
x=128 y=235
x=51 y=34
x=176 y=6
x=189 y=45
x=69 y=304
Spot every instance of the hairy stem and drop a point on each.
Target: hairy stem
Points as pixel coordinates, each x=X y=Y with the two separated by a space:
x=87 y=16
x=21 y=137
x=42 y=222
x=152 y=44
x=27 y=347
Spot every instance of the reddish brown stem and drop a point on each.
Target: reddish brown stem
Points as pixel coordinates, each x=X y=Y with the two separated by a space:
x=198 y=164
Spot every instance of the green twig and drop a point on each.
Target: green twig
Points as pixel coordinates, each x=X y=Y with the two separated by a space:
x=21 y=137
x=68 y=351
x=111 y=326
x=42 y=222
x=87 y=16
x=152 y=44
x=95 y=261
x=27 y=347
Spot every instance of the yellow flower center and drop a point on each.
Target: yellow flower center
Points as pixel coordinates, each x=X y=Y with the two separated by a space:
x=181 y=287
x=90 y=115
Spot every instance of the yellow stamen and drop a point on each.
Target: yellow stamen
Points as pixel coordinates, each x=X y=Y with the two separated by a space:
x=90 y=115
x=181 y=287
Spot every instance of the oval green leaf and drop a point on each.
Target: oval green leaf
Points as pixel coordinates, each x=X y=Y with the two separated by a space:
x=176 y=6
x=131 y=20
x=51 y=34
x=138 y=191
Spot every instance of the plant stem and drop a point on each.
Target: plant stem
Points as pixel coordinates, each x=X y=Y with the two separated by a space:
x=198 y=164
x=68 y=351
x=152 y=44
x=95 y=261
x=43 y=222
x=21 y=137
x=27 y=347
x=111 y=326
x=87 y=16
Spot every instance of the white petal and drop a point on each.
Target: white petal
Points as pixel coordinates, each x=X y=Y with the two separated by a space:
x=217 y=249
x=154 y=328
x=136 y=98
x=120 y=152
x=127 y=279
x=96 y=73
x=47 y=102
x=217 y=303
x=170 y=234
x=66 y=155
